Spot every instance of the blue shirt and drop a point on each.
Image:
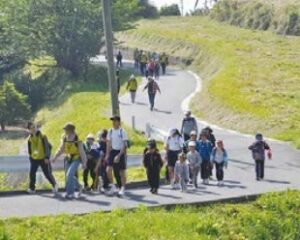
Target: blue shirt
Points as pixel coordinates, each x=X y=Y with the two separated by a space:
x=205 y=148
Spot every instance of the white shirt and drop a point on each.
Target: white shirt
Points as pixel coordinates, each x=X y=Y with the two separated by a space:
x=175 y=143
x=117 y=137
x=219 y=158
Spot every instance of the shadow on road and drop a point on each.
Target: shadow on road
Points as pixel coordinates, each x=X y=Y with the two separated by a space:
x=139 y=198
x=276 y=181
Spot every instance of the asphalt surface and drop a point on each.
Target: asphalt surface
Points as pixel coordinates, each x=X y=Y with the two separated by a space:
x=281 y=173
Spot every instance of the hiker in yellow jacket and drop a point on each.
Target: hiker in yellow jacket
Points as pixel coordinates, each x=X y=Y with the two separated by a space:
x=164 y=62
x=132 y=86
x=72 y=148
x=39 y=150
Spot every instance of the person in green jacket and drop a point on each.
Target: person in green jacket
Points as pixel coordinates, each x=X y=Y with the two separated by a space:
x=132 y=86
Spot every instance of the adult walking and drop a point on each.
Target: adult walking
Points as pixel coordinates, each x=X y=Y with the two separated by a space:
x=173 y=146
x=153 y=163
x=143 y=63
x=117 y=143
x=258 y=149
x=205 y=149
x=136 y=56
x=164 y=61
x=132 y=86
x=119 y=58
x=152 y=88
x=72 y=147
x=188 y=125
x=39 y=150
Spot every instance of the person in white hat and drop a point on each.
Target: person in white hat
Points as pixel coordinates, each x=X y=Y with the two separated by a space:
x=195 y=161
x=92 y=160
x=132 y=87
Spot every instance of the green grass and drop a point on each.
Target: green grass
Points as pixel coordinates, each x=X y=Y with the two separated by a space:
x=85 y=103
x=251 y=78
x=272 y=217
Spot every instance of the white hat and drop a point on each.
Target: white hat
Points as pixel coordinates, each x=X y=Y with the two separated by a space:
x=192 y=144
x=193 y=133
x=90 y=136
x=132 y=76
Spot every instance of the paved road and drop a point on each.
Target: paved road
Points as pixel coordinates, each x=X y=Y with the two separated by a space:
x=281 y=173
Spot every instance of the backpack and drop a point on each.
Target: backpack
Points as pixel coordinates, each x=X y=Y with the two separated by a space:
x=46 y=143
x=128 y=143
x=259 y=151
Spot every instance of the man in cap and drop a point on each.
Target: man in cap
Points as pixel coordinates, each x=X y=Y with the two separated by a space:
x=189 y=124
x=117 y=143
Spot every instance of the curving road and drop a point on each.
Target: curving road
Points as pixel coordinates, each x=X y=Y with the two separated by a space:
x=281 y=173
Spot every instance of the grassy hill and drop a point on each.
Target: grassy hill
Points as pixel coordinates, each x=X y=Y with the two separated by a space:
x=271 y=217
x=282 y=17
x=251 y=78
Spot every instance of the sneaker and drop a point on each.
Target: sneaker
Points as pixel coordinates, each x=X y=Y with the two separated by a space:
x=55 y=188
x=80 y=189
x=112 y=190
x=69 y=196
x=122 y=191
x=155 y=191
x=30 y=191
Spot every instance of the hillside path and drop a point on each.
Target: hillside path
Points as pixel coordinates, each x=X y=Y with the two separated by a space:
x=281 y=173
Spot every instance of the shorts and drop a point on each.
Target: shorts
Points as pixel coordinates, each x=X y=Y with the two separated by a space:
x=122 y=164
x=172 y=158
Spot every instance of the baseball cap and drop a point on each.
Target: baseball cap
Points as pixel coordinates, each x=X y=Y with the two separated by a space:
x=115 y=118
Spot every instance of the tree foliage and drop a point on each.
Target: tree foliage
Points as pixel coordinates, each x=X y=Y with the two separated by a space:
x=172 y=10
x=13 y=104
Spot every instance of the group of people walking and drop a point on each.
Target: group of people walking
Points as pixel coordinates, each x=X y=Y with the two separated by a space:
x=104 y=158
x=150 y=63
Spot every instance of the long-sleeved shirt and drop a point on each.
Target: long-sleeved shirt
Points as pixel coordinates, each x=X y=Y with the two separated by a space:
x=194 y=159
x=219 y=155
x=152 y=161
x=205 y=149
x=182 y=170
x=258 y=149
x=152 y=87
x=189 y=124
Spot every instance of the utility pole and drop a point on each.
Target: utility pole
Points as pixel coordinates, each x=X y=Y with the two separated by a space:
x=182 y=7
x=113 y=86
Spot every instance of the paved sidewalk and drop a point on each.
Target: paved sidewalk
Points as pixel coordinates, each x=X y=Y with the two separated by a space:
x=281 y=173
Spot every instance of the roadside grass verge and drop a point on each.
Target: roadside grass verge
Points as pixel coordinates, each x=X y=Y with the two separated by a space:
x=272 y=216
x=134 y=174
x=251 y=78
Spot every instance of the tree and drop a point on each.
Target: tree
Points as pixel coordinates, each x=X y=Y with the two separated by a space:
x=13 y=105
x=172 y=10
x=15 y=35
x=147 y=10
x=71 y=30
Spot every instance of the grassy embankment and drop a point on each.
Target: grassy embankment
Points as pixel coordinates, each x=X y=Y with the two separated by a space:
x=86 y=104
x=251 y=78
x=281 y=17
x=271 y=217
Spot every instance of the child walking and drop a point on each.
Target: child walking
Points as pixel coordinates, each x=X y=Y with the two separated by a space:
x=258 y=149
x=219 y=158
x=195 y=161
x=153 y=163
x=182 y=172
